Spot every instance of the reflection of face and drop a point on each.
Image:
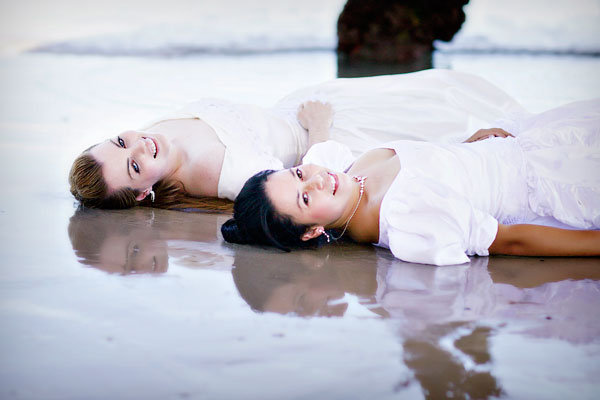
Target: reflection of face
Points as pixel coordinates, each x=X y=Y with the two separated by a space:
x=133 y=159
x=305 y=297
x=312 y=195
x=133 y=254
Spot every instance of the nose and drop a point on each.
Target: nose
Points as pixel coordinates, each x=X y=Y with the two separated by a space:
x=142 y=146
x=315 y=182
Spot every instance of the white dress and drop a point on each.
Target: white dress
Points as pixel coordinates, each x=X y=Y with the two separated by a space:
x=432 y=105
x=447 y=199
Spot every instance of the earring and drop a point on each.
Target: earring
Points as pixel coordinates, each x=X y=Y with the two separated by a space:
x=150 y=221
x=152 y=196
x=322 y=231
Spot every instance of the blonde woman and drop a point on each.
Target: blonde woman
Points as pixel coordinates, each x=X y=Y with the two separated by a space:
x=200 y=156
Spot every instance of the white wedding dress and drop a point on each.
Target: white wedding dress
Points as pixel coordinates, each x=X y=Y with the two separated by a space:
x=432 y=105
x=447 y=200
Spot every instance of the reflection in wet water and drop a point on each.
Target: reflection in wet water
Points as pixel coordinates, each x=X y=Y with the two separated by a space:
x=118 y=241
x=445 y=319
x=307 y=283
x=553 y=298
x=142 y=240
x=453 y=359
x=547 y=291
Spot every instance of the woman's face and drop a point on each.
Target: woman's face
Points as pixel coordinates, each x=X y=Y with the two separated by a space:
x=313 y=195
x=136 y=252
x=133 y=159
x=307 y=297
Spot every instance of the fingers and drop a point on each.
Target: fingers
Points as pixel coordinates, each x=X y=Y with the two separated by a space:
x=314 y=104
x=315 y=113
x=483 y=134
x=500 y=133
x=476 y=136
x=480 y=138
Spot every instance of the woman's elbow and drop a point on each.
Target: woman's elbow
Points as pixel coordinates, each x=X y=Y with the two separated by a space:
x=508 y=241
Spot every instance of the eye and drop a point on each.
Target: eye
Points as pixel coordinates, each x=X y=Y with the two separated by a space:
x=135 y=167
x=133 y=251
x=305 y=198
x=121 y=141
x=299 y=173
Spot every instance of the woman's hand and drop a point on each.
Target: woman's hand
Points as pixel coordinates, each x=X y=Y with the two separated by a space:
x=488 y=133
x=314 y=114
x=316 y=118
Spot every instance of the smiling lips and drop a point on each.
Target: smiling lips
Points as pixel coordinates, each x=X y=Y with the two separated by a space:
x=335 y=183
x=153 y=145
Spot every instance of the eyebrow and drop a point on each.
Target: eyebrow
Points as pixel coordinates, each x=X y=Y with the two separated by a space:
x=128 y=171
x=127 y=166
x=298 y=192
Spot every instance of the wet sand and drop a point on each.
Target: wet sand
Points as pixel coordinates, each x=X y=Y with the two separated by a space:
x=152 y=304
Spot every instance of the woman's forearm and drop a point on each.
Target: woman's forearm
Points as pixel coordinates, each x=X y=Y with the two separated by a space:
x=317 y=134
x=536 y=240
x=316 y=118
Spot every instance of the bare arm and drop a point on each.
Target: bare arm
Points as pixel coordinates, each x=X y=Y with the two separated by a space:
x=488 y=133
x=535 y=240
x=316 y=117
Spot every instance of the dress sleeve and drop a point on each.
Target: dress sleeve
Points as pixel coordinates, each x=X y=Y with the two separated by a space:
x=329 y=154
x=432 y=224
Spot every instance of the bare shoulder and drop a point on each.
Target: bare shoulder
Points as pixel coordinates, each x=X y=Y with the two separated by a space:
x=373 y=157
x=187 y=128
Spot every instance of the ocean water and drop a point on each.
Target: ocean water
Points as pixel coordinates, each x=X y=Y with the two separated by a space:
x=151 y=304
x=184 y=27
x=543 y=53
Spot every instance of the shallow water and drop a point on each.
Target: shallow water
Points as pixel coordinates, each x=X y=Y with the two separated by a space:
x=152 y=304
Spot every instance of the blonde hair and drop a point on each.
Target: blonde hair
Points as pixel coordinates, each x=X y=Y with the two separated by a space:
x=90 y=189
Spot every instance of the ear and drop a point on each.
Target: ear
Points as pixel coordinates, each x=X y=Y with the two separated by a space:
x=313 y=232
x=144 y=194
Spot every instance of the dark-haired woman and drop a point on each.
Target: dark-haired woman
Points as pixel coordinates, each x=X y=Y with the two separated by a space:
x=437 y=203
x=204 y=153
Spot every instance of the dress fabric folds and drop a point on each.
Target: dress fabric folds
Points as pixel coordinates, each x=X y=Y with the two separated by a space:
x=432 y=105
x=447 y=200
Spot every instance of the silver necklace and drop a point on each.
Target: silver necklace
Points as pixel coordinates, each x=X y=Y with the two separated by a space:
x=361 y=181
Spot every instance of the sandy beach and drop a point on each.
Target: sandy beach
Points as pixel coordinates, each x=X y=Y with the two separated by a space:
x=152 y=304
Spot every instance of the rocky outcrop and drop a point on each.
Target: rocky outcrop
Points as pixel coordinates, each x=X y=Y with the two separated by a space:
x=396 y=31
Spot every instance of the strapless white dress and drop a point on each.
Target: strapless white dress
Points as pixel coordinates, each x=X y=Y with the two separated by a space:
x=447 y=199
x=432 y=105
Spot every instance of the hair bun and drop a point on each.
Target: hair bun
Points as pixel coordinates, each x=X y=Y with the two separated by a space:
x=232 y=233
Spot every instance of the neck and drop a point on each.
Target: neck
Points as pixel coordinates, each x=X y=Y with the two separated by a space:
x=177 y=159
x=178 y=154
x=360 y=201
x=197 y=156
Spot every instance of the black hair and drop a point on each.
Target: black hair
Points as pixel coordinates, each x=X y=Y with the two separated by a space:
x=255 y=220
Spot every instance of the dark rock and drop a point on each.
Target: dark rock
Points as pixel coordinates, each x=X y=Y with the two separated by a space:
x=354 y=68
x=396 y=31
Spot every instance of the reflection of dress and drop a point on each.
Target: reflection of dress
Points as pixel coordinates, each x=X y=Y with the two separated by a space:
x=447 y=199
x=433 y=105
x=425 y=296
